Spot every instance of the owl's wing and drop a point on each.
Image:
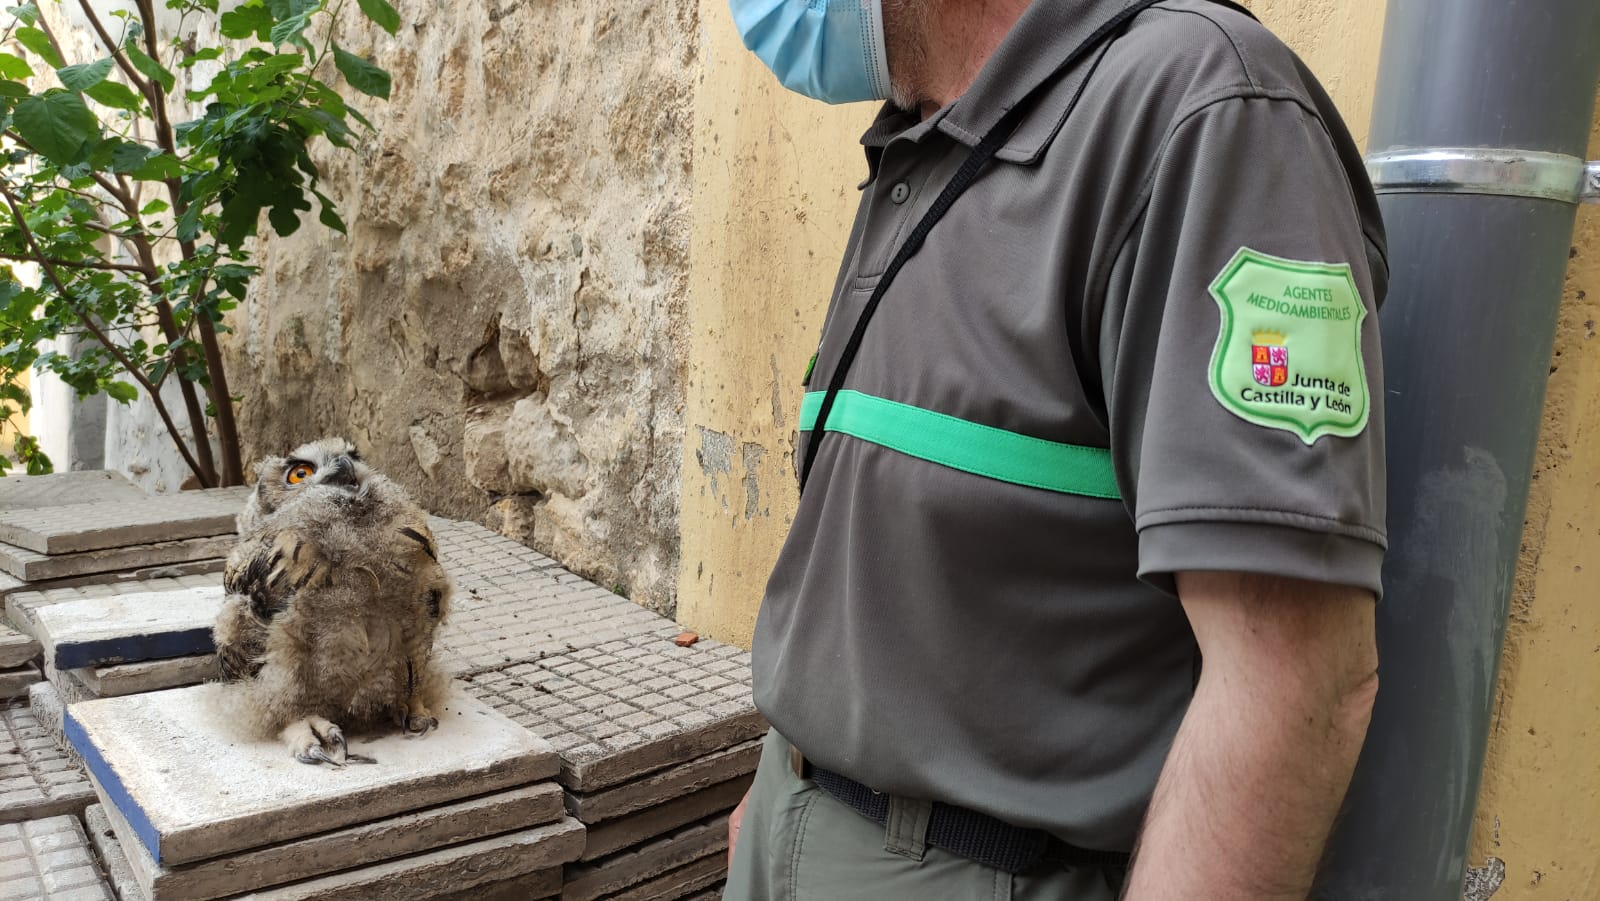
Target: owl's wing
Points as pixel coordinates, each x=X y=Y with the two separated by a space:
x=268 y=568
x=240 y=638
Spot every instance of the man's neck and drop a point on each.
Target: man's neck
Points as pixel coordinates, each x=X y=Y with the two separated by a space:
x=960 y=37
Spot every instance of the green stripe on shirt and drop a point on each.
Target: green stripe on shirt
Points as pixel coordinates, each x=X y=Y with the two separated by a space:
x=968 y=446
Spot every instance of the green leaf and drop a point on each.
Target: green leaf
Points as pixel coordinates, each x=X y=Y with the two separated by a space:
x=158 y=167
x=56 y=124
x=382 y=13
x=363 y=75
x=127 y=156
x=286 y=31
x=189 y=223
x=121 y=392
x=116 y=94
x=149 y=68
x=13 y=66
x=84 y=75
x=38 y=42
x=200 y=56
x=14 y=89
x=27 y=12
x=248 y=20
x=330 y=217
x=283 y=9
x=285 y=221
x=154 y=207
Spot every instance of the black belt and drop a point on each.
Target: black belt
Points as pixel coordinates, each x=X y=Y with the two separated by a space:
x=973 y=835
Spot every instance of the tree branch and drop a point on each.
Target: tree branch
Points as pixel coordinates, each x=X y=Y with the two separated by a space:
x=116 y=352
x=79 y=264
x=115 y=49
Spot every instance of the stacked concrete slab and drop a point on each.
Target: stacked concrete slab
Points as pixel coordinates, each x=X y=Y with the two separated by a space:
x=657 y=742
x=19 y=667
x=119 y=638
x=80 y=539
x=97 y=530
x=190 y=808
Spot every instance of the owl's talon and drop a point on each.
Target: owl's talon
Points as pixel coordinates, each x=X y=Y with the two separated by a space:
x=312 y=739
x=315 y=755
x=418 y=726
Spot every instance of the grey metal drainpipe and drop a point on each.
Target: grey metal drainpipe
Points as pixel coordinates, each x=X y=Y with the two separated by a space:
x=1479 y=231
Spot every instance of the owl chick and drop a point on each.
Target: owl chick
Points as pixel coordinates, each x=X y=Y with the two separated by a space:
x=334 y=593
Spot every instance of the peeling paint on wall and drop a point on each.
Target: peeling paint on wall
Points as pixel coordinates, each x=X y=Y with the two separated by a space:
x=1484 y=881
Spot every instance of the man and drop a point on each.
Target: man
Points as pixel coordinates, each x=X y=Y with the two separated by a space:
x=1090 y=533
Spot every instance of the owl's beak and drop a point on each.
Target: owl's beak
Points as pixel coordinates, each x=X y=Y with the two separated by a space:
x=341 y=472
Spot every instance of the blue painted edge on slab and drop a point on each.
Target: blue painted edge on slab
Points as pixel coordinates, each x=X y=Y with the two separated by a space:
x=131 y=649
x=115 y=791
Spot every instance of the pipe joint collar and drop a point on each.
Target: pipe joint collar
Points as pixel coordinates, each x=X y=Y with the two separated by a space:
x=1485 y=170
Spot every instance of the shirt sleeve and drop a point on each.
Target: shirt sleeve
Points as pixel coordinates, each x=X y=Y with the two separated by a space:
x=1240 y=356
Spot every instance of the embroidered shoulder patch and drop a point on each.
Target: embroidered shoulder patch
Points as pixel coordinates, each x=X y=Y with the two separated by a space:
x=1288 y=355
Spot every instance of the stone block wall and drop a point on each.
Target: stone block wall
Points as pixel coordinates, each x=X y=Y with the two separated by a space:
x=502 y=329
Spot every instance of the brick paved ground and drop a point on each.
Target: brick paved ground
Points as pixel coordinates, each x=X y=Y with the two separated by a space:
x=49 y=859
x=513 y=603
x=37 y=779
x=595 y=674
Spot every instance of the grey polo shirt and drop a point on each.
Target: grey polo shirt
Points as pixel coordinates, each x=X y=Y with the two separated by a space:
x=1145 y=341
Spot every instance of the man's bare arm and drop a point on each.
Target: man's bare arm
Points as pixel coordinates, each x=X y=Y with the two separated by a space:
x=1262 y=760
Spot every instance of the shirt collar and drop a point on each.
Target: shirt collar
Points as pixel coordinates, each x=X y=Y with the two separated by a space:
x=1027 y=57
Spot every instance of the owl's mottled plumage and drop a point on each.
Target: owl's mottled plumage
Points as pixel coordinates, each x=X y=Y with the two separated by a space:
x=334 y=594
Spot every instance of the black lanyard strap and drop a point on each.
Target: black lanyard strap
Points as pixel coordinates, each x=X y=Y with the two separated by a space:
x=963 y=179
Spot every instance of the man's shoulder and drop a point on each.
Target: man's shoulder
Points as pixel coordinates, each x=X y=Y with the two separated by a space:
x=1205 y=50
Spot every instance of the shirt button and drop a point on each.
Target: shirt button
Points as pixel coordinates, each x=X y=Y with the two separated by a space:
x=900 y=192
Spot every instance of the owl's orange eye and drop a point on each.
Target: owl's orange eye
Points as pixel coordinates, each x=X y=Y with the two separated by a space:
x=299 y=473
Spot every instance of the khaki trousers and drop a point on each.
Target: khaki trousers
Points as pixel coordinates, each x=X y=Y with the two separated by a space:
x=799 y=844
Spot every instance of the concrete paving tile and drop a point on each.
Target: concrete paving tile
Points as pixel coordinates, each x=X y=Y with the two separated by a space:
x=16 y=648
x=120 y=679
x=31 y=566
x=194 y=787
x=665 y=785
x=714 y=893
x=626 y=869
x=455 y=869
x=635 y=828
x=675 y=884
x=49 y=708
x=72 y=528
x=22 y=607
x=532 y=887
x=509 y=605
x=343 y=849
x=127 y=628
x=119 y=874
x=49 y=858
x=555 y=696
x=57 y=489
x=15 y=681
x=37 y=778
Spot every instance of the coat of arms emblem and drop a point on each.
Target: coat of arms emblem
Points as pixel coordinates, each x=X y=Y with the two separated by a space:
x=1269 y=356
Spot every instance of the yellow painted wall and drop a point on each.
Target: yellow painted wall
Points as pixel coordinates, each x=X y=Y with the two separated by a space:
x=774 y=193
x=1539 y=807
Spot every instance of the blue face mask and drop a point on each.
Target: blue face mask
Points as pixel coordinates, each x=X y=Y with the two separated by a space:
x=829 y=50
